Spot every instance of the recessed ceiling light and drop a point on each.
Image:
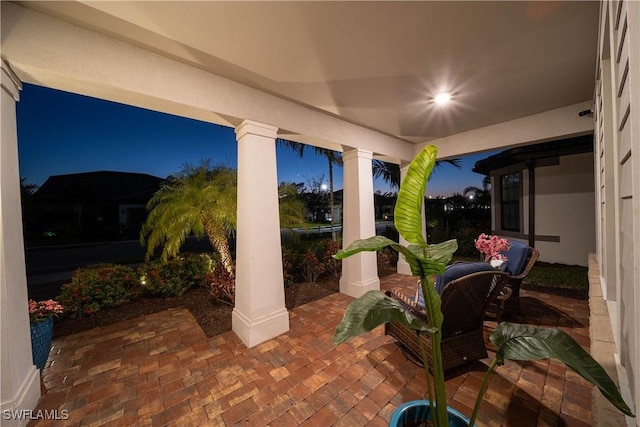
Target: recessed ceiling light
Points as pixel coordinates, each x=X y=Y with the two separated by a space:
x=442 y=98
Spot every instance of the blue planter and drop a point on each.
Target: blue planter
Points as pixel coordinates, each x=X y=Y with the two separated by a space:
x=415 y=412
x=41 y=334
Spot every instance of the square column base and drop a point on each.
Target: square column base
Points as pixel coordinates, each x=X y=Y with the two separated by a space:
x=356 y=289
x=25 y=399
x=256 y=331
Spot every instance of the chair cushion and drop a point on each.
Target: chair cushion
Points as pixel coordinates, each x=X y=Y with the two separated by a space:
x=516 y=257
x=453 y=272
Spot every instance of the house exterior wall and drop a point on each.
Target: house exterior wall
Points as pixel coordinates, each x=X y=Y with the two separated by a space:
x=564 y=208
x=617 y=149
x=564 y=215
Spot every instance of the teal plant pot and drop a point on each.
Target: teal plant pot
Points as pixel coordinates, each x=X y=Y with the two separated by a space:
x=41 y=335
x=417 y=412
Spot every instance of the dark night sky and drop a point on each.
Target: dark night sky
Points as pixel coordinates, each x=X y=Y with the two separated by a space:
x=61 y=133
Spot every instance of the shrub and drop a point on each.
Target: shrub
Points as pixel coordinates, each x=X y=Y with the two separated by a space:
x=287 y=270
x=466 y=245
x=311 y=266
x=387 y=258
x=99 y=286
x=292 y=259
x=195 y=268
x=329 y=248
x=162 y=280
x=175 y=276
x=222 y=285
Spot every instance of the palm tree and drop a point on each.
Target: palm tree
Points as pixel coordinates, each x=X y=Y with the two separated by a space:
x=291 y=206
x=30 y=211
x=482 y=196
x=333 y=158
x=390 y=172
x=202 y=201
x=27 y=189
x=199 y=200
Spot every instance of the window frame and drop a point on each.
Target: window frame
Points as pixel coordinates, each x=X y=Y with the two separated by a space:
x=516 y=200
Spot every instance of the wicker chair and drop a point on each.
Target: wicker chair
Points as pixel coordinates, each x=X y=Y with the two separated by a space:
x=512 y=304
x=464 y=301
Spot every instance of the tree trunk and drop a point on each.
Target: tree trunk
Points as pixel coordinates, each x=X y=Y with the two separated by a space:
x=219 y=241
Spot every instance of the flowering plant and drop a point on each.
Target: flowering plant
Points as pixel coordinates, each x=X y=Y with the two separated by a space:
x=39 y=311
x=491 y=247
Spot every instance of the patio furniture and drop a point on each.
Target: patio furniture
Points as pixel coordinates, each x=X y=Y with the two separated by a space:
x=520 y=260
x=452 y=272
x=464 y=301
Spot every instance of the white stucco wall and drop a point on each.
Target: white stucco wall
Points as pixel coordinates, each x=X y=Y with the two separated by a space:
x=565 y=208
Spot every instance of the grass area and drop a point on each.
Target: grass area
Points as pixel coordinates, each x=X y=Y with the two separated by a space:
x=551 y=275
x=558 y=276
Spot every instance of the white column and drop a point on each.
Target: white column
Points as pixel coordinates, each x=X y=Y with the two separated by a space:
x=359 y=272
x=260 y=312
x=20 y=378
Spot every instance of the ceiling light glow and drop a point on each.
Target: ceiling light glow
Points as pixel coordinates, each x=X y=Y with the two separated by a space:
x=442 y=98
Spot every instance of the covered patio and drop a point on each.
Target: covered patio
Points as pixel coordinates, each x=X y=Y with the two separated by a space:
x=359 y=78
x=162 y=370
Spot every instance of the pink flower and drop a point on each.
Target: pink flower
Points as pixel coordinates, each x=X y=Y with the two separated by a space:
x=41 y=310
x=491 y=247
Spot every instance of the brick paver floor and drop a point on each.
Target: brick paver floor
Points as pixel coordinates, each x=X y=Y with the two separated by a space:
x=162 y=370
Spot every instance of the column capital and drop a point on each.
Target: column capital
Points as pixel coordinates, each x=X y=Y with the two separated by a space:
x=256 y=128
x=357 y=153
x=10 y=81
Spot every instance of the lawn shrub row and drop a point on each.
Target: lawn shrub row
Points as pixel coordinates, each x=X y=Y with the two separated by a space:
x=100 y=286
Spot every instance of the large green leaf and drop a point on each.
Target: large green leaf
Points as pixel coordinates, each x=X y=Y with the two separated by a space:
x=442 y=252
x=421 y=266
x=371 y=244
x=422 y=262
x=433 y=303
x=370 y=310
x=408 y=210
x=520 y=342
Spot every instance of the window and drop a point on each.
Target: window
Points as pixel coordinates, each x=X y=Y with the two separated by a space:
x=510 y=202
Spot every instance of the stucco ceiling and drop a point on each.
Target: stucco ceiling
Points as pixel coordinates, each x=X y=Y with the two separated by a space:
x=377 y=64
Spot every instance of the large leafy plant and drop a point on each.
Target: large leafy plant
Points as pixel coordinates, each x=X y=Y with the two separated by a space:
x=512 y=341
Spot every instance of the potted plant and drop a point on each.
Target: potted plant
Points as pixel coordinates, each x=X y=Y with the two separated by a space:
x=41 y=315
x=512 y=341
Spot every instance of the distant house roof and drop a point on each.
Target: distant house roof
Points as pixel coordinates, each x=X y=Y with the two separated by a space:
x=100 y=186
x=563 y=147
